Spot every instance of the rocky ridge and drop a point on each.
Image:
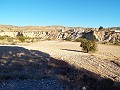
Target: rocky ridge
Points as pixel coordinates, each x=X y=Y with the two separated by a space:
x=111 y=35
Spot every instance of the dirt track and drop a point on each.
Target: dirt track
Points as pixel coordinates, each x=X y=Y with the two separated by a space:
x=102 y=62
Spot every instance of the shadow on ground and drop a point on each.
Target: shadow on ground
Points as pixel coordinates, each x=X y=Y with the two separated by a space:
x=22 y=69
x=71 y=50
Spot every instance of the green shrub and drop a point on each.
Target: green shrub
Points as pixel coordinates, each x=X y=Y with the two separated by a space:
x=93 y=47
x=100 y=27
x=3 y=37
x=10 y=39
x=32 y=40
x=21 y=38
x=88 y=46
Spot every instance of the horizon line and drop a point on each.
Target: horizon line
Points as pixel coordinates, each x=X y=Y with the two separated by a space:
x=57 y=25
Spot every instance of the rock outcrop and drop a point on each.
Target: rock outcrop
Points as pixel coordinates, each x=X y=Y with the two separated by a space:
x=60 y=32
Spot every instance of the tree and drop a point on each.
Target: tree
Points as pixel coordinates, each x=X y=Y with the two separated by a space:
x=88 y=46
x=21 y=38
x=100 y=27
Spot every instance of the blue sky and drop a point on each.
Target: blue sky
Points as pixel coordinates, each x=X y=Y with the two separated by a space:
x=82 y=13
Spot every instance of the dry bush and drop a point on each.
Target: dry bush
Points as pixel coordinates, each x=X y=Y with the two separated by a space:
x=88 y=46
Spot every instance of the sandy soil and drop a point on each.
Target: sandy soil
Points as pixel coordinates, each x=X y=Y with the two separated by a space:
x=59 y=49
x=102 y=62
x=108 y=51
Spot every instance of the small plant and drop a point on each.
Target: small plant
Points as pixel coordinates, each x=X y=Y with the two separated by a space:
x=10 y=39
x=32 y=40
x=100 y=27
x=88 y=46
x=3 y=37
x=21 y=38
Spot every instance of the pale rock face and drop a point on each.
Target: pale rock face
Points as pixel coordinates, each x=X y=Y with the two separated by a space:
x=61 y=32
x=99 y=35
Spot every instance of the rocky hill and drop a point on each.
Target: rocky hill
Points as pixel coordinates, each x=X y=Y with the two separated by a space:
x=60 y=32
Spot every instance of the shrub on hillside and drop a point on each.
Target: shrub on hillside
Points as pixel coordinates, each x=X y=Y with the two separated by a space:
x=100 y=27
x=3 y=37
x=32 y=40
x=10 y=39
x=21 y=38
x=88 y=46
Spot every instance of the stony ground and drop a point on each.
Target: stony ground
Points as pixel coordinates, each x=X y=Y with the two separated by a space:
x=104 y=62
x=57 y=65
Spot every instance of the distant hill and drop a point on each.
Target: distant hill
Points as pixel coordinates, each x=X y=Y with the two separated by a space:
x=64 y=33
x=117 y=28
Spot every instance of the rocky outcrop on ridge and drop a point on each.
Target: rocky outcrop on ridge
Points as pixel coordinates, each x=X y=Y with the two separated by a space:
x=111 y=35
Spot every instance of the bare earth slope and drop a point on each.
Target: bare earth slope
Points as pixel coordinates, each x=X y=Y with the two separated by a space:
x=103 y=62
